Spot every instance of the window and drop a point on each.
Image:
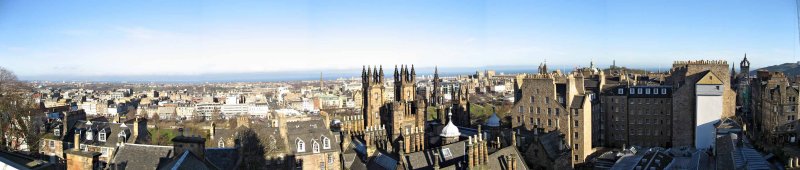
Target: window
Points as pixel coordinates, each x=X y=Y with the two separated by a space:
x=576 y=123
x=122 y=135
x=620 y=91
x=102 y=136
x=576 y=136
x=57 y=132
x=647 y=91
x=532 y=99
x=446 y=153
x=315 y=147
x=330 y=159
x=104 y=152
x=663 y=90
x=82 y=147
x=547 y=100
x=521 y=109
x=326 y=143
x=632 y=91
x=52 y=144
x=550 y=122
x=639 y=91
x=89 y=135
x=221 y=143
x=301 y=146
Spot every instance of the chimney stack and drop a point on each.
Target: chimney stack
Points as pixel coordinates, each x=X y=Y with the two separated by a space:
x=436 y=160
x=470 y=153
x=513 y=138
x=77 y=141
x=213 y=130
x=136 y=128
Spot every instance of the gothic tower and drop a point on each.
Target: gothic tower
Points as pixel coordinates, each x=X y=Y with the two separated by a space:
x=404 y=87
x=744 y=67
x=373 y=98
x=437 y=100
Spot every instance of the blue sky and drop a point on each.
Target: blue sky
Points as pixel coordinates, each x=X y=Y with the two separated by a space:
x=102 y=38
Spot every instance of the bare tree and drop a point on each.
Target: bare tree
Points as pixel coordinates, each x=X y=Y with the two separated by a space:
x=253 y=149
x=18 y=121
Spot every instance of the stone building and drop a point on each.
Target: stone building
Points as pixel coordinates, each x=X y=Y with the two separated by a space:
x=555 y=102
x=313 y=145
x=638 y=115
x=683 y=78
x=401 y=118
x=775 y=103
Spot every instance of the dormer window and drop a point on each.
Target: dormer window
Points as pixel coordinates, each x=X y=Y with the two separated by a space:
x=326 y=143
x=57 y=131
x=89 y=135
x=315 y=147
x=122 y=136
x=301 y=146
x=221 y=143
x=102 y=136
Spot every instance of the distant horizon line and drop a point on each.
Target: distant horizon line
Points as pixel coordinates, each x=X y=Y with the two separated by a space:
x=300 y=75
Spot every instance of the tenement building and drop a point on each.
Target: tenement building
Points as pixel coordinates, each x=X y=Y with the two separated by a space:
x=639 y=115
x=775 y=101
x=554 y=101
x=684 y=79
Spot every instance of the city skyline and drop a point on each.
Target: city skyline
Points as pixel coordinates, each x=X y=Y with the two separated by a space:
x=185 y=38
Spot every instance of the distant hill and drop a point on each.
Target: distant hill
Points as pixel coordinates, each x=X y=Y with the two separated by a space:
x=790 y=69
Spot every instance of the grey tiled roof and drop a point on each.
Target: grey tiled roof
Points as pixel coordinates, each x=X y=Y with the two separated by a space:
x=577 y=102
x=135 y=156
x=497 y=159
x=424 y=159
x=111 y=131
x=224 y=158
x=309 y=132
x=188 y=161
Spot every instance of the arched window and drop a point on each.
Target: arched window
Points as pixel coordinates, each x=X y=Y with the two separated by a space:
x=301 y=146
x=315 y=147
x=326 y=143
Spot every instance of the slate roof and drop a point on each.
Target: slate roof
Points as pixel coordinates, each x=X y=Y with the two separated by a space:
x=551 y=142
x=18 y=161
x=188 y=161
x=497 y=159
x=136 y=156
x=424 y=159
x=577 y=102
x=309 y=132
x=111 y=130
x=224 y=158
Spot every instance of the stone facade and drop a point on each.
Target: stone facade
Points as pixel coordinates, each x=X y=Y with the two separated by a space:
x=775 y=103
x=555 y=102
x=683 y=78
x=638 y=115
x=402 y=118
